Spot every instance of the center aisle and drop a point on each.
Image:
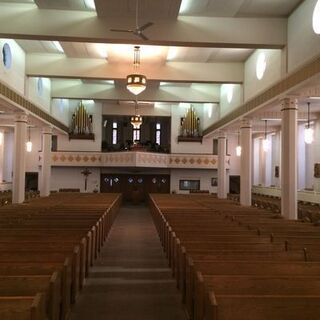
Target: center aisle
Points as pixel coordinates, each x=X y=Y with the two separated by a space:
x=131 y=278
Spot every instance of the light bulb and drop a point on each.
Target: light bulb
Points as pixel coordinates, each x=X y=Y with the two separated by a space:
x=29 y=146
x=308 y=135
x=238 y=151
x=265 y=145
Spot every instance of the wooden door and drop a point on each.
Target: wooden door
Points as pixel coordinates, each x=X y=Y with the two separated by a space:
x=111 y=183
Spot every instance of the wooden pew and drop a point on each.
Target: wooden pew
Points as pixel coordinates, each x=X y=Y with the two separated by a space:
x=258 y=285
x=47 y=269
x=255 y=307
x=29 y=285
x=23 y=308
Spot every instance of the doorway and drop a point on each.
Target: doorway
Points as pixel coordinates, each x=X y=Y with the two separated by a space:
x=135 y=187
x=234 y=184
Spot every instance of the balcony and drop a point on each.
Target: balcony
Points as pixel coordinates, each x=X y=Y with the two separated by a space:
x=134 y=159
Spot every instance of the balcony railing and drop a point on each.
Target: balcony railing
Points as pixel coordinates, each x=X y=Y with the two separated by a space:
x=134 y=159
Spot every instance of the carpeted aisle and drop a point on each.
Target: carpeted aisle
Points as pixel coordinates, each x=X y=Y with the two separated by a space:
x=131 y=279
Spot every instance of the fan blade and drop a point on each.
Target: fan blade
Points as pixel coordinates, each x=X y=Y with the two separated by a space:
x=145 y=26
x=142 y=36
x=121 y=30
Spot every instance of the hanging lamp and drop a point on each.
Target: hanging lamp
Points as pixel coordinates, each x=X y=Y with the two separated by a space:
x=136 y=120
x=29 y=143
x=136 y=82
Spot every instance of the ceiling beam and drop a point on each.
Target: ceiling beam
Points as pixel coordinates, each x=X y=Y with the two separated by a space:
x=74 y=89
x=59 y=66
x=81 y=26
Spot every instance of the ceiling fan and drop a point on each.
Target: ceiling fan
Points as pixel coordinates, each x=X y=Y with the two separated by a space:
x=138 y=31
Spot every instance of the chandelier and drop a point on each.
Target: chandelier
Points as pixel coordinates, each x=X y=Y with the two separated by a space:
x=136 y=120
x=136 y=82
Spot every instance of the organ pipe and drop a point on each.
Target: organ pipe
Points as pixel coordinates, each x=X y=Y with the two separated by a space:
x=81 y=121
x=190 y=124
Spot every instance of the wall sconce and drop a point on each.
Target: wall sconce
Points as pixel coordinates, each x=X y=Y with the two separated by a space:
x=29 y=143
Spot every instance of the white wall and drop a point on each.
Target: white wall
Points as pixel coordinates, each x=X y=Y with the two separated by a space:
x=316 y=153
x=303 y=43
x=156 y=109
x=32 y=158
x=273 y=71
x=232 y=93
x=72 y=178
x=60 y=110
x=15 y=76
x=301 y=158
x=268 y=160
x=203 y=175
x=234 y=160
x=276 y=158
x=40 y=98
x=256 y=161
x=211 y=114
x=64 y=144
x=8 y=156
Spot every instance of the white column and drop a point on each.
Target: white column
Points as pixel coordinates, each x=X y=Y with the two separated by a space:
x=222 y=174
x=246 y=163
x=289 y=158
x=262 y=163
x=19 y=158
x=45 y=182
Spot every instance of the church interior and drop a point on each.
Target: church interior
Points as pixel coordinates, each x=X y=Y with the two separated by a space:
x=159 y=159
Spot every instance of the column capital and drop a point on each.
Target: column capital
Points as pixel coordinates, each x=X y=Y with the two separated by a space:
x=289 y=104
x=21 y=117
x=222 y=135
x=246 y=124
x=47 y=130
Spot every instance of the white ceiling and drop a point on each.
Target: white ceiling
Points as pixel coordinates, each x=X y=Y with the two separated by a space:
x=239 y=8
x=124 y=53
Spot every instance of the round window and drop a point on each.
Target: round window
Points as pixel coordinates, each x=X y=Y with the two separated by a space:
x=316 y=18
x=6 y=56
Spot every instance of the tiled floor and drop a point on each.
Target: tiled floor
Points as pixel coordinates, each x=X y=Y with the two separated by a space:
x=131 y=279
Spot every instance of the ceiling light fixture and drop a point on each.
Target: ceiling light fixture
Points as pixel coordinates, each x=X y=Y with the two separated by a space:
x=308 y=132
x=136 y=120
x=136 y=82
x=238 y=148
x=265 y=141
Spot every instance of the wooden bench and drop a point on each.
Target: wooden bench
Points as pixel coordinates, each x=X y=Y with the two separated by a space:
x=28 y=285
x=23 y=308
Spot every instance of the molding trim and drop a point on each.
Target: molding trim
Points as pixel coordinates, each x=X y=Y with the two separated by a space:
x=19 y=100
x=275 y=91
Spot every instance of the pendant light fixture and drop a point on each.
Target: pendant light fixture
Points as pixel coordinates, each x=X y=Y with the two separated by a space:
x=238 y=148
x=29 y=143
x=308 y=132
x=265 y=141
x=136 y=82
x=136 y=120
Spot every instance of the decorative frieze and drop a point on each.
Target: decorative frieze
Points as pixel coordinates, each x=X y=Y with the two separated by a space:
x=134 y=159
